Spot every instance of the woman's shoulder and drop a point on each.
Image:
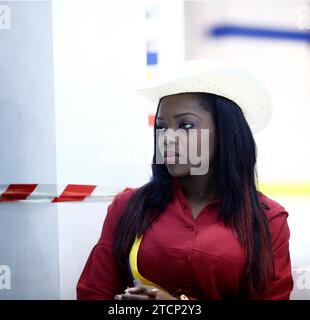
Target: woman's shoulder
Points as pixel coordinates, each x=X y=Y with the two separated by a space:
x=118 y=203
x=113 y=213
x=271 y=207
x=124 y=195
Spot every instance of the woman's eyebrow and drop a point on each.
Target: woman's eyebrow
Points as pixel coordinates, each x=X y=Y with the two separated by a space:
x=181 y=114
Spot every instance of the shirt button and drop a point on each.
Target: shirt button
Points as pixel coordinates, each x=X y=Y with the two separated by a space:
x=192 y=228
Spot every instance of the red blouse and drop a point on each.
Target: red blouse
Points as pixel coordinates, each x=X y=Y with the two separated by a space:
x=201 y=257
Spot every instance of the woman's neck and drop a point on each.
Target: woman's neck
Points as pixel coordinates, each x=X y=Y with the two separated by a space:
x=198 y=188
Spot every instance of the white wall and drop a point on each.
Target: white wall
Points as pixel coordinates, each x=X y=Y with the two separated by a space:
x=28 y=233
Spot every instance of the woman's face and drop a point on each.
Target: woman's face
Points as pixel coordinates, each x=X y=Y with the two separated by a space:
x=193 y=147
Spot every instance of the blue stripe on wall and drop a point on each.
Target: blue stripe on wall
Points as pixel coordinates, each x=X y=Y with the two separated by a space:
x=255 y=32
x=152 y=58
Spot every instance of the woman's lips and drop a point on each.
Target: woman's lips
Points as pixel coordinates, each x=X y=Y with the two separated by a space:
x=168 y=155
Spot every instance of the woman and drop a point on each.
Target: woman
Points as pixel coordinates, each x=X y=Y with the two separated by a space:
x=196 y=231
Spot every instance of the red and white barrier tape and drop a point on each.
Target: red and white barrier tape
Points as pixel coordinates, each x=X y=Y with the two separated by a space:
x=57 y=193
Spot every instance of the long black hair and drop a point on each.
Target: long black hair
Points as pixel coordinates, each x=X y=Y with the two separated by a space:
x=235 y=184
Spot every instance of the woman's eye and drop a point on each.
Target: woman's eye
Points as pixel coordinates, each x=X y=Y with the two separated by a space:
x=186 y=125
x=160 y=128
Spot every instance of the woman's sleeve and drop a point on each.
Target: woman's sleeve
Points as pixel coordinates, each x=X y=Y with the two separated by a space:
x=100 y=278
x=281 y=284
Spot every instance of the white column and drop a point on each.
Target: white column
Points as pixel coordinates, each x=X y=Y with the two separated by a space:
x=28 y=232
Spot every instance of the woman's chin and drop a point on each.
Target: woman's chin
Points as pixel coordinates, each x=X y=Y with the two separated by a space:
x=177 y=170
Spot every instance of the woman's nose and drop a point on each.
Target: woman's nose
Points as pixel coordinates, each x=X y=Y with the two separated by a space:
x=169 y=136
